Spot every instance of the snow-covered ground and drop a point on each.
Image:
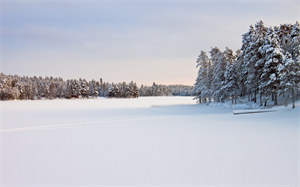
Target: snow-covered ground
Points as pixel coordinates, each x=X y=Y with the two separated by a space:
x=146 y=141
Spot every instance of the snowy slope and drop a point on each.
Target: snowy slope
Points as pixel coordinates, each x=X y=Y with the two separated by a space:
x=145 y=141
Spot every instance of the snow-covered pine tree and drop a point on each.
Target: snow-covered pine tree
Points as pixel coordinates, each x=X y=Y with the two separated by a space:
x=269 y=80
x=201 y=89
x=295 y=42
x=230 y=87
x=258 y=58
x=60 y=85
x=69 y=90
x=8 y=88
x=295 y=46
x=73 y=88
x=289 y=76
x=238 y=65
x=39 y=84
x=103 y=88
x=252 y=56
x=131 y=90
x=84 y=88
x=219 y=66
x=52 y=90
x=284 y=32
x=114 y=90
x=93 y=88
x=247 y=52
x=76 y=88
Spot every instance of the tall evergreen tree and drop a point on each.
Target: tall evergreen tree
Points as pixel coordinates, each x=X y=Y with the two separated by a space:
x=230 y=86
x=273 y=58
x=253 y=56
x=219 y=67
x=295 y=42
x=202 y=81
x=289 y=76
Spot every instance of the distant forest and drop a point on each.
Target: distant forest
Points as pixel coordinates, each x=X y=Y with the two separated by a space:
x=17 y=87
x=266 y=68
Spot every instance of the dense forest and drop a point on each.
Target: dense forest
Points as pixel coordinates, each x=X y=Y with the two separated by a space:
x=16 y=87
x=266 y=68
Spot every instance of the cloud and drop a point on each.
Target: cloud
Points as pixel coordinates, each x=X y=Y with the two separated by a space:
x=134 y=41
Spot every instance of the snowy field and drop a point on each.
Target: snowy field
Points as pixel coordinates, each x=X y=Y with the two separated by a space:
x=146 y=141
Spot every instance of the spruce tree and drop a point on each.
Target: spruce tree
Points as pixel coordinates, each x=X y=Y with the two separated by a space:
x=289 y=76
x=202 y=80
x=273 y=58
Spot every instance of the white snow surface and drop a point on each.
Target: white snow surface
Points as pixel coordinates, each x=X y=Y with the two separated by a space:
x=164 y=141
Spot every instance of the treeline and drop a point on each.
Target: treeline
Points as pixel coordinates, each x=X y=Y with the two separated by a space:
x=166 y=90
x=23 y=88
x=265 y=68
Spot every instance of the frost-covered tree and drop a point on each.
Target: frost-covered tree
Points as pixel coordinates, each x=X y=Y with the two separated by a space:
x=295 y=42
x=219 y=66
x=73 y=89
x=52 y=90
x=93 y=88
x=202 y=84
x=114 y=90
x=84 y=88
x=254 y=39
x=283 y=32
x=246 y=55
x=132 y=90
x=8 y=88
x=103 y=88
x=238 y=66
x=289 y=76
x=273 y=58
x=230 y=85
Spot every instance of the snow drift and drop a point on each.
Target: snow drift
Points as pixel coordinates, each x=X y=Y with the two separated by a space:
x=145 y=141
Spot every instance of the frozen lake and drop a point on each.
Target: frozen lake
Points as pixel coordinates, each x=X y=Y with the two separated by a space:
x=145 y=141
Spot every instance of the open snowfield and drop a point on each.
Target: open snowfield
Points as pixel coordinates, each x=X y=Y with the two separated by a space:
x=146 y=141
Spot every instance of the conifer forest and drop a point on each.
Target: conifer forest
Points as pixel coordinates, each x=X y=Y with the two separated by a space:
x=23 y=88
x=265 y=69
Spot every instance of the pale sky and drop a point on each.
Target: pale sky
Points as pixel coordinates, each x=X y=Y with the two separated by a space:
x=144 y=41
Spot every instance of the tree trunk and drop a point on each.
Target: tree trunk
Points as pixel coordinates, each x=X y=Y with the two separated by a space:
x=275 y=99
x=293 y=98
x=266 y=99
x=260 y=99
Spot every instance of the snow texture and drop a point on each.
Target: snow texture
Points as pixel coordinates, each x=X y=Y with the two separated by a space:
x=146 y=141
